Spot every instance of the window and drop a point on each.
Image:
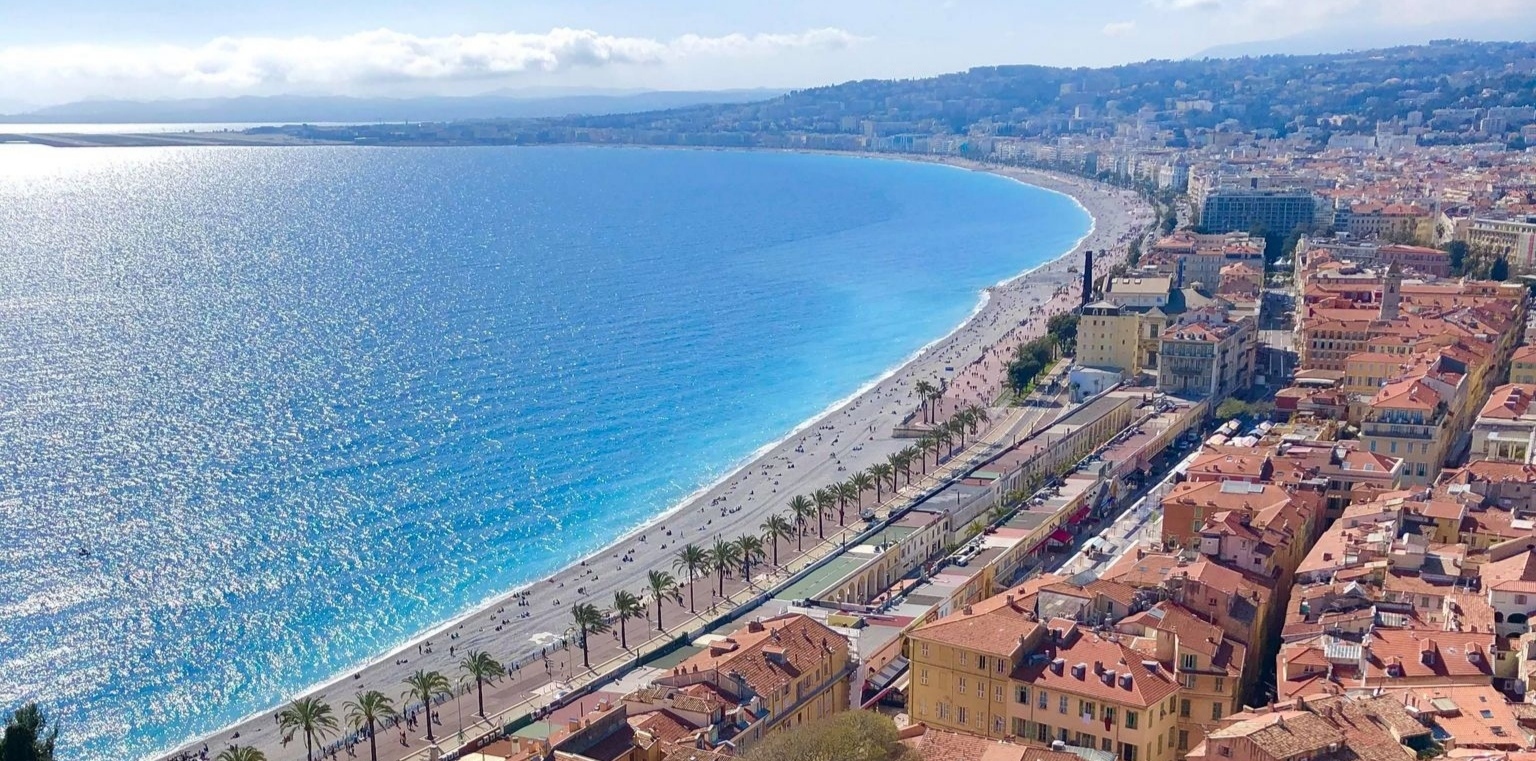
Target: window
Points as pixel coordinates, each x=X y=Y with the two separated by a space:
x=997 y=693
x=1519 y=599
x=1002 y=665
x=1127 y=752
x=944 y=711
x=1221 y=684
x=1044 y=699
x=1109 y=715
x=1215 y=711
x=1022 y=695
x=1188 y=681
x=1042 y=732
x=997 y=725
x=1087 y=708
x=922 y=676
x=922 y=707
x=962 y=685
x=1107 y=745
x=1062 y=704
x=1130 y=719
x=981 y=663
x=1190 y=661
x=960 y=714
x=1183 y=739
x=1183 y=709
x=1020 y=727
x=1225 y=750
x=923 y=648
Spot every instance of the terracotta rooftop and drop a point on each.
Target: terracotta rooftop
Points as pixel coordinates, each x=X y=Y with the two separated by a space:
x=799 y=644
x=940 y=745
x=1085 y=660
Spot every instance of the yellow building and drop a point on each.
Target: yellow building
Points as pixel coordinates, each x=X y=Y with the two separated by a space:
x=1410 y=419
x=1107 y=338
x=1209 y=667
x=991 y=671
x=1522 y=367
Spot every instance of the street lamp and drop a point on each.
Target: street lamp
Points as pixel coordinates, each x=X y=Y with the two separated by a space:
x=458 y=703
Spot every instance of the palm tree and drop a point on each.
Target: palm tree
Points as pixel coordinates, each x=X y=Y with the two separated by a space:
x=978 y=415
x=589 y=620
x=368 y=710
x=803 y=508
x=775 y=528
x=846 y=492
x=240 y=753
x=863 y=481
x=424 y=686
x=661 y=586
x=939 y=442
x=957 y=427
x=481 y=667
x=825 y=499
x=901 y=461
x=882 y=473
x=750 y=548
x=625 y=607
x=924 y=391
x=925 y=443
x=310 y=716
x=690 y=560
x=724 y=556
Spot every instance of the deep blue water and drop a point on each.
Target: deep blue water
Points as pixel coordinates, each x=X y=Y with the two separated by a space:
x=304 y=403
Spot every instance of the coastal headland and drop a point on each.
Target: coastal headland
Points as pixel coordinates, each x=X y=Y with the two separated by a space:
x=526 y=626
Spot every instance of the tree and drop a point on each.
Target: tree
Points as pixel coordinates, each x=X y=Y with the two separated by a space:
x=27 y=736
x=1500 y=270
x=882 y=473
x=846 y=492
x=481 y=667
x=924 y=391
x=690 y=560
x=1457 y=251
x=824 y=502
x=426 y=686
x=588 y=620
x=924 y=443
x=776 y=527
x=863 y=482
x=750 y=549
x=311 y=717
x=661 y=585
x=846 y=736
x=977 y=415
x=626 y=606
x=802 y=508
x=902 y=461
x=244 y=753
x=723 y=557
x=367 y=711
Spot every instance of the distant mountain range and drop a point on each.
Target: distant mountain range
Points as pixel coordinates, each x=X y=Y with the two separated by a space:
x=285 y=109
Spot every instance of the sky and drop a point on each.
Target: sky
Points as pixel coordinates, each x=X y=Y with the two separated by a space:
x=54 y=51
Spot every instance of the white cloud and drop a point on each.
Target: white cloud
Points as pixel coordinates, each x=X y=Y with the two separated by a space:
x=233 y=64
x=1119 y=28
x=1391 y=12
x=1184 y=5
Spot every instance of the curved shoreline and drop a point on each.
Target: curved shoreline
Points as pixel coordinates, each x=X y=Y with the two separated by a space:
x=990 y=305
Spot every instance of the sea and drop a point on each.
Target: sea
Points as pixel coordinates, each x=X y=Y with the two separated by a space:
x=267 y=412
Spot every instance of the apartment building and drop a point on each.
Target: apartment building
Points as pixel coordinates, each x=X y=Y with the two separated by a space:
x=1505 y=430
x=1207 y=357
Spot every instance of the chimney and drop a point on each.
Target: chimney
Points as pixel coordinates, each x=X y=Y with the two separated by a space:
x=755 y=626
x=1087 y=276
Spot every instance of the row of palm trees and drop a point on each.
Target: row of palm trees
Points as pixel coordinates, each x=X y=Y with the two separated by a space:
x=315 y=720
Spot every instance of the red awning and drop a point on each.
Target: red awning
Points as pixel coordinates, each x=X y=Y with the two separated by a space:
x=1078 y=516
x=1061 y=535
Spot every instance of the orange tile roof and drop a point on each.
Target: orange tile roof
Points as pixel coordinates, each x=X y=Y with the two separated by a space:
x=1150 y=682
x=939 y=745
x=803 y=640
x=998 y=625
x=1509 y=402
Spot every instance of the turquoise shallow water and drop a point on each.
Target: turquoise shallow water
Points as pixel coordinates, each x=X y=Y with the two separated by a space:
x=304 y=403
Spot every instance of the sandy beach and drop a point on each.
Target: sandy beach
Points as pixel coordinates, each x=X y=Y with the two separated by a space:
x=972 y=362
